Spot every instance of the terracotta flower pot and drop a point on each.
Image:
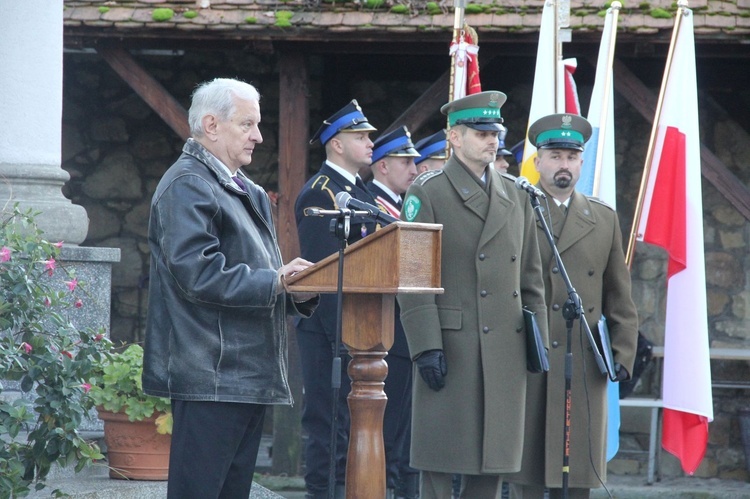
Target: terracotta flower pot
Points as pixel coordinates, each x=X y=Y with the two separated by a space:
x=135 y=450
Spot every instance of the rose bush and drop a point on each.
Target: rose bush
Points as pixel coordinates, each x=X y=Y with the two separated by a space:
x=47 y=354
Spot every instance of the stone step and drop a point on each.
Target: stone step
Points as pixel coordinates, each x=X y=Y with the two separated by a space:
x=93 y=482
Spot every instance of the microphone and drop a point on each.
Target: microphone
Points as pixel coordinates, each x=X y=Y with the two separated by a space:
x=317 y=212
x=345 y=200
x=523 y=184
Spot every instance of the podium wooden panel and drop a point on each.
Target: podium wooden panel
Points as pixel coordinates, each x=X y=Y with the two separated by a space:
x=400 y=258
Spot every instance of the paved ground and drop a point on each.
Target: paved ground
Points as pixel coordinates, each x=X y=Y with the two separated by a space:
x=621 y=487
x=93 y=483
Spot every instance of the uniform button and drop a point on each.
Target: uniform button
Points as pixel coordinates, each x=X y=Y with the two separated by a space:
x=555 y=307
x=555 y=344
x=519 y=329
x=515 y=293
x=483 y=293
x=591 y=271
x=485 y=329
x=555 y=270
x=591 y=309
x=513 y=258
x=481 y=256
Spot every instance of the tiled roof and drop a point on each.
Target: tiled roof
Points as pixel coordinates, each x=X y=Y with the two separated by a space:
x=300 y=19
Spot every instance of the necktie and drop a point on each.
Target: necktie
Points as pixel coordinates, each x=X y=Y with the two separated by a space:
x=564 y=209
x=360 y=184
x=240 y=183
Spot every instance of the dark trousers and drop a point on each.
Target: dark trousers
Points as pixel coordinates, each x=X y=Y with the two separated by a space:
x=214 y=448
x=397 y=423
x=316 y=355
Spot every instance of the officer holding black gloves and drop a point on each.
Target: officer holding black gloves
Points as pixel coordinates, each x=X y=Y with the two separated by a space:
x=470 y=347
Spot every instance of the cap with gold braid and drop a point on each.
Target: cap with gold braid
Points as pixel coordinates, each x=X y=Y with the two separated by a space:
x=347 y=119
x=479 y=111
x=395 y=143
x=560 y=131
x=432 y=146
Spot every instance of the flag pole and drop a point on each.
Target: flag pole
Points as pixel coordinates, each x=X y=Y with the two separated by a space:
x=681 y=6
x=558 y=54
x=459 y=6
x=615 y=10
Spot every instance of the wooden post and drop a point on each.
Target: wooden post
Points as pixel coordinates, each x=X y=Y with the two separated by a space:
x=293 y=130
x=401 y=258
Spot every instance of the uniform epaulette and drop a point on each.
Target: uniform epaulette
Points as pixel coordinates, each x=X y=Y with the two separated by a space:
x=320 y=182
x=424 y=177
x=508 y=176
x=599 y=201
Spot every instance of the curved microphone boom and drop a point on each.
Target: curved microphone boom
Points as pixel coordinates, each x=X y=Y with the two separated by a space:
x=345 y=200
x=523 y=184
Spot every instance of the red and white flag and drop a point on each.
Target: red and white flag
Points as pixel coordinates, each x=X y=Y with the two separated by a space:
x=464 y=52
x=554 y=89
x=572 y=105
x=672 y=218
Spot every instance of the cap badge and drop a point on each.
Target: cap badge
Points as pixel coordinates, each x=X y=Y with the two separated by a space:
x=566 y=121
x=493 y=100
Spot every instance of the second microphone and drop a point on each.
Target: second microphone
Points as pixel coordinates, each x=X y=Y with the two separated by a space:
x=345 y=200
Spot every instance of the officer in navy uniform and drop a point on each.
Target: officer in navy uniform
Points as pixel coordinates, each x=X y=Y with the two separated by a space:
x=433 y=152
x=501 y=157
x=345 y=136
x=393 y=171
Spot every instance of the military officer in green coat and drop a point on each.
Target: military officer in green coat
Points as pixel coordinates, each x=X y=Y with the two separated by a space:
x=468 y=344
x=588 y=237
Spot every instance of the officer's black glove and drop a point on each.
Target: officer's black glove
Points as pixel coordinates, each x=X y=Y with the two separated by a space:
x=432 y=368
x=621 y=374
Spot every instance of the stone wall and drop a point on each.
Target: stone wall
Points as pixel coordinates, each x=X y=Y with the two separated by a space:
x=116 y=149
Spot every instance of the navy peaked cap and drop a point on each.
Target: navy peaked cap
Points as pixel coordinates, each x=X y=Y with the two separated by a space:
x=347 y=119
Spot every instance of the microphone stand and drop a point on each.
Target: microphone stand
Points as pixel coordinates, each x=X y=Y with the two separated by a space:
x=340 y=226
x=573 y=309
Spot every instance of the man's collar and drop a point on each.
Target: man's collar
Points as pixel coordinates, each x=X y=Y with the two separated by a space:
x=344 y=173
x=192 y=146
x=396 y=198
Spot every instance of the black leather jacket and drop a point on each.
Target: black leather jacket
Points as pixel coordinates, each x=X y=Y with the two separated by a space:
x=216 y=328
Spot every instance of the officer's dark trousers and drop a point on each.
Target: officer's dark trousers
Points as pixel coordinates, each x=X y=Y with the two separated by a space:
x=316 y=355
x=214 y=448
x=397 y=424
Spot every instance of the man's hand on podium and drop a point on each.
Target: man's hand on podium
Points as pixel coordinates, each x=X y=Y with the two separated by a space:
x=288 y=270
x=432 y=368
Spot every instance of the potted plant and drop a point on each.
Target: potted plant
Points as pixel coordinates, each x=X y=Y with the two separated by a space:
x=137 y=427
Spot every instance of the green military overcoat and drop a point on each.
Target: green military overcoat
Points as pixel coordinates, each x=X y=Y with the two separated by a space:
x=490 y=266
x=590 y=245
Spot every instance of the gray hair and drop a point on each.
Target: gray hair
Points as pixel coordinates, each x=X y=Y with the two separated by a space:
x=216 y=97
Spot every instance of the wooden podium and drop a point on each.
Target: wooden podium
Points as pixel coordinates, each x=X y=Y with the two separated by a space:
x=400 y=258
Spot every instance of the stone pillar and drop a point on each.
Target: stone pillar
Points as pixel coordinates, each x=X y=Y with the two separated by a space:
x=31 y=51
x=31 y=79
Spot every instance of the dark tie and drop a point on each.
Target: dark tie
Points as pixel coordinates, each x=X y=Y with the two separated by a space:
x=239 y=182
x=564 y=209
x=360 y=184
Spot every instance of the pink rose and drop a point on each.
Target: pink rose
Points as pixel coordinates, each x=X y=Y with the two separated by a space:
x=28 y=348
x=4 y=254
